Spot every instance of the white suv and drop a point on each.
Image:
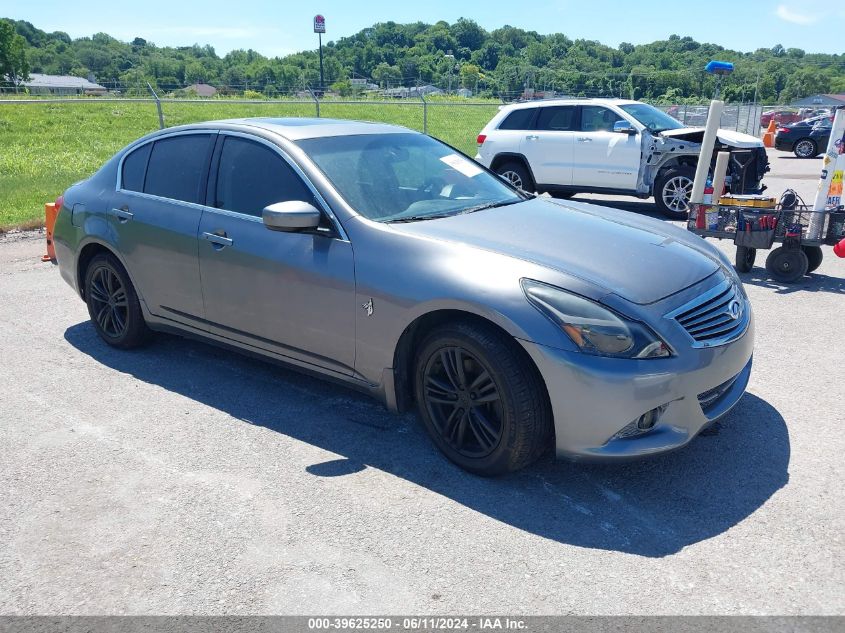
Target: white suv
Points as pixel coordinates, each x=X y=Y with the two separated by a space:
x=566 y=146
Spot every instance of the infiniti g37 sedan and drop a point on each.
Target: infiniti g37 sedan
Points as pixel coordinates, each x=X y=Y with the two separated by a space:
x=383 y=258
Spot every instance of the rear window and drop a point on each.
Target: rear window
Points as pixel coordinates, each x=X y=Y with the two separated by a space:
x=518 y=119
x=177 y=167
x=134 y=168
x=559 y=118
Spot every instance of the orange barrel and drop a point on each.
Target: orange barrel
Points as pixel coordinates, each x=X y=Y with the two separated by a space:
x=51 y=210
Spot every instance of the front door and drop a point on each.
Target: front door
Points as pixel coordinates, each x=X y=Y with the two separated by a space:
x=604 y=158
x=289 y=293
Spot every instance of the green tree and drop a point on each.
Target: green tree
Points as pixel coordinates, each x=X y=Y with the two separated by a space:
x=14 y=66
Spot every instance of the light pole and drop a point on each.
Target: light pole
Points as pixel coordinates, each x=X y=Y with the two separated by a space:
x=319 y=29
x=451 y=60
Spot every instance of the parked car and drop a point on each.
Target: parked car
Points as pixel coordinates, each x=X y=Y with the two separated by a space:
x=566 y=146
x=380 y=257
x=805 y=139
x=780 y=117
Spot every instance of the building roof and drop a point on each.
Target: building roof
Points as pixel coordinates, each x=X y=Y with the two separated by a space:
x=821 y=100
x=37 y=80
x=203 y=90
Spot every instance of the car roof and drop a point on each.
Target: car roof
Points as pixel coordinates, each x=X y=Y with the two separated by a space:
x=548 y=102
x=297 y=128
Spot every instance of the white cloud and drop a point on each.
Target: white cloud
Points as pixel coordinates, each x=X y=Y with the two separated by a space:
x=787 y=14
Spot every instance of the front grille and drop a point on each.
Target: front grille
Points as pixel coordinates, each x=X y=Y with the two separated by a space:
x=711 y=396
x=717 y=317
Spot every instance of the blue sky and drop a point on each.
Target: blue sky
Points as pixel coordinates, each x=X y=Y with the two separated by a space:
x=279 y=27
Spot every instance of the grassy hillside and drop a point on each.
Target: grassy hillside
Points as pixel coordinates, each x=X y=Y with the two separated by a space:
x=46 y=147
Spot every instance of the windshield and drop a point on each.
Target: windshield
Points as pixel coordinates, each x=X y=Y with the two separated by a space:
x=405 y=177
x=655 y=120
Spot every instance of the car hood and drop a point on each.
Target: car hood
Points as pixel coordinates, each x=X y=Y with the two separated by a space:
x=639 y=259
x=728 y=137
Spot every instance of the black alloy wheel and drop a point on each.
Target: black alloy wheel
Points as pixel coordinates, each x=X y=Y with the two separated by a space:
x=463 y=402
x=113 y=303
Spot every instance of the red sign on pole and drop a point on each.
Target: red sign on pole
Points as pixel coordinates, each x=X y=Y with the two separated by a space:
x=319 y=24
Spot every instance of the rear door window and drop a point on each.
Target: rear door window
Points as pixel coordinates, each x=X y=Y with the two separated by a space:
x=521 y=119
x=177 y=167
x=252 y=176
x=557 y=118
x=134 y=168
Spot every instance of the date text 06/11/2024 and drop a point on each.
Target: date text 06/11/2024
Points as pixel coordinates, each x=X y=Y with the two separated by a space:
x=423 y=623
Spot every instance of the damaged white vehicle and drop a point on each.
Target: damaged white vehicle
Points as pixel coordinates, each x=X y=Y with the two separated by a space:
x=567 y=146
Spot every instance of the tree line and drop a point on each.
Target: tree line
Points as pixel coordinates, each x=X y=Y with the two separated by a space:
x=505 y=61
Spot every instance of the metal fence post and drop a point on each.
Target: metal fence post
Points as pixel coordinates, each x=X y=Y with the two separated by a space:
x=425 y=112
x=158 y=107
x=316 y=101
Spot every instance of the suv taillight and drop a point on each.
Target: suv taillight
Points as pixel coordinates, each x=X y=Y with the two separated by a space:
x=481 y=138
x=59 y=202
x=783 y=130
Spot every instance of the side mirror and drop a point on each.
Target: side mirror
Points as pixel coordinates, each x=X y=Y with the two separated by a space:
x=623 y=127
x=294 y=215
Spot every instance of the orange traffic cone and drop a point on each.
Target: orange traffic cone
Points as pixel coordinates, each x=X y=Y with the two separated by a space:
x=51 y=210
x=769 y=136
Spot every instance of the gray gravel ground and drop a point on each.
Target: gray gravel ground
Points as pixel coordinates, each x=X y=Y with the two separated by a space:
x=182 y=480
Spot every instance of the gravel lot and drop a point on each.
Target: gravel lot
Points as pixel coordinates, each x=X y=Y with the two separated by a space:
x=182 y=480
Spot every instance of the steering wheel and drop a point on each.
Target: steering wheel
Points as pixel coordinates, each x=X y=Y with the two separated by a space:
x=433 y=186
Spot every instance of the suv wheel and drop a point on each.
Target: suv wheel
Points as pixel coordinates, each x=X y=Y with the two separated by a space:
x=517 y=175
x=672 y=191
x=805 y=148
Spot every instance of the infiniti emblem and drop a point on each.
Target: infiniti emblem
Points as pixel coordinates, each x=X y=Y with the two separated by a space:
x=735 y=309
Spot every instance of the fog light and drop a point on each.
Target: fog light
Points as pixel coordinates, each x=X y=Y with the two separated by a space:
x=641 y=425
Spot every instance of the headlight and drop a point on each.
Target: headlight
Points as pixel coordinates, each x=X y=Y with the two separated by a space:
x=592 y=327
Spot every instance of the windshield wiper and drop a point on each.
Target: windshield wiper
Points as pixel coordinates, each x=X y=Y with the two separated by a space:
x=417 y=218
x=490 y=205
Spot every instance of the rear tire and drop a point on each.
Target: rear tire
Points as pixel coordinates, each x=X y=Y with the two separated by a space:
x=805 y=148
x=814 y=257
x=517 y=175
x=113 y=303
x=787 y=264
x=745 y=257
x=481 y=399
x=672 y=191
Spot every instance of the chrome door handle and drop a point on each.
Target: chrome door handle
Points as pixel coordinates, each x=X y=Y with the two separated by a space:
x=585 y=139
x=123 y=216
x=219 y=241
x=531 y=137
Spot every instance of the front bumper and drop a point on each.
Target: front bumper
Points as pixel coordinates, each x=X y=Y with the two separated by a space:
x=593 y=398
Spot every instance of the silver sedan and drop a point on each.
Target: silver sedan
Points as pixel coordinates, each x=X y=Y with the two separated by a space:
x=383 y=258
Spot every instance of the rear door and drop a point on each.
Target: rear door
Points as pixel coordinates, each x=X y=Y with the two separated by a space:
x=549 y=147
x=509 y=136
x=155 y=216
x=289 y=293
x=602 y=157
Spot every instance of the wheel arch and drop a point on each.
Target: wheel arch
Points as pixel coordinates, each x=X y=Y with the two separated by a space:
x=90 y=250
x=673 y=163
x=418 y=329
x=508 y=157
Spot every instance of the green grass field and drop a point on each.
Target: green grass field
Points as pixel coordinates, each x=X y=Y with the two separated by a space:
x=45 y=147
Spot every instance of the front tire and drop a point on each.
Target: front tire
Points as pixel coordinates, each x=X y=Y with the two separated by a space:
x=481 y=399
x=113 y=303
x=805 y=148
x=787 y=264
x=672 y=191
